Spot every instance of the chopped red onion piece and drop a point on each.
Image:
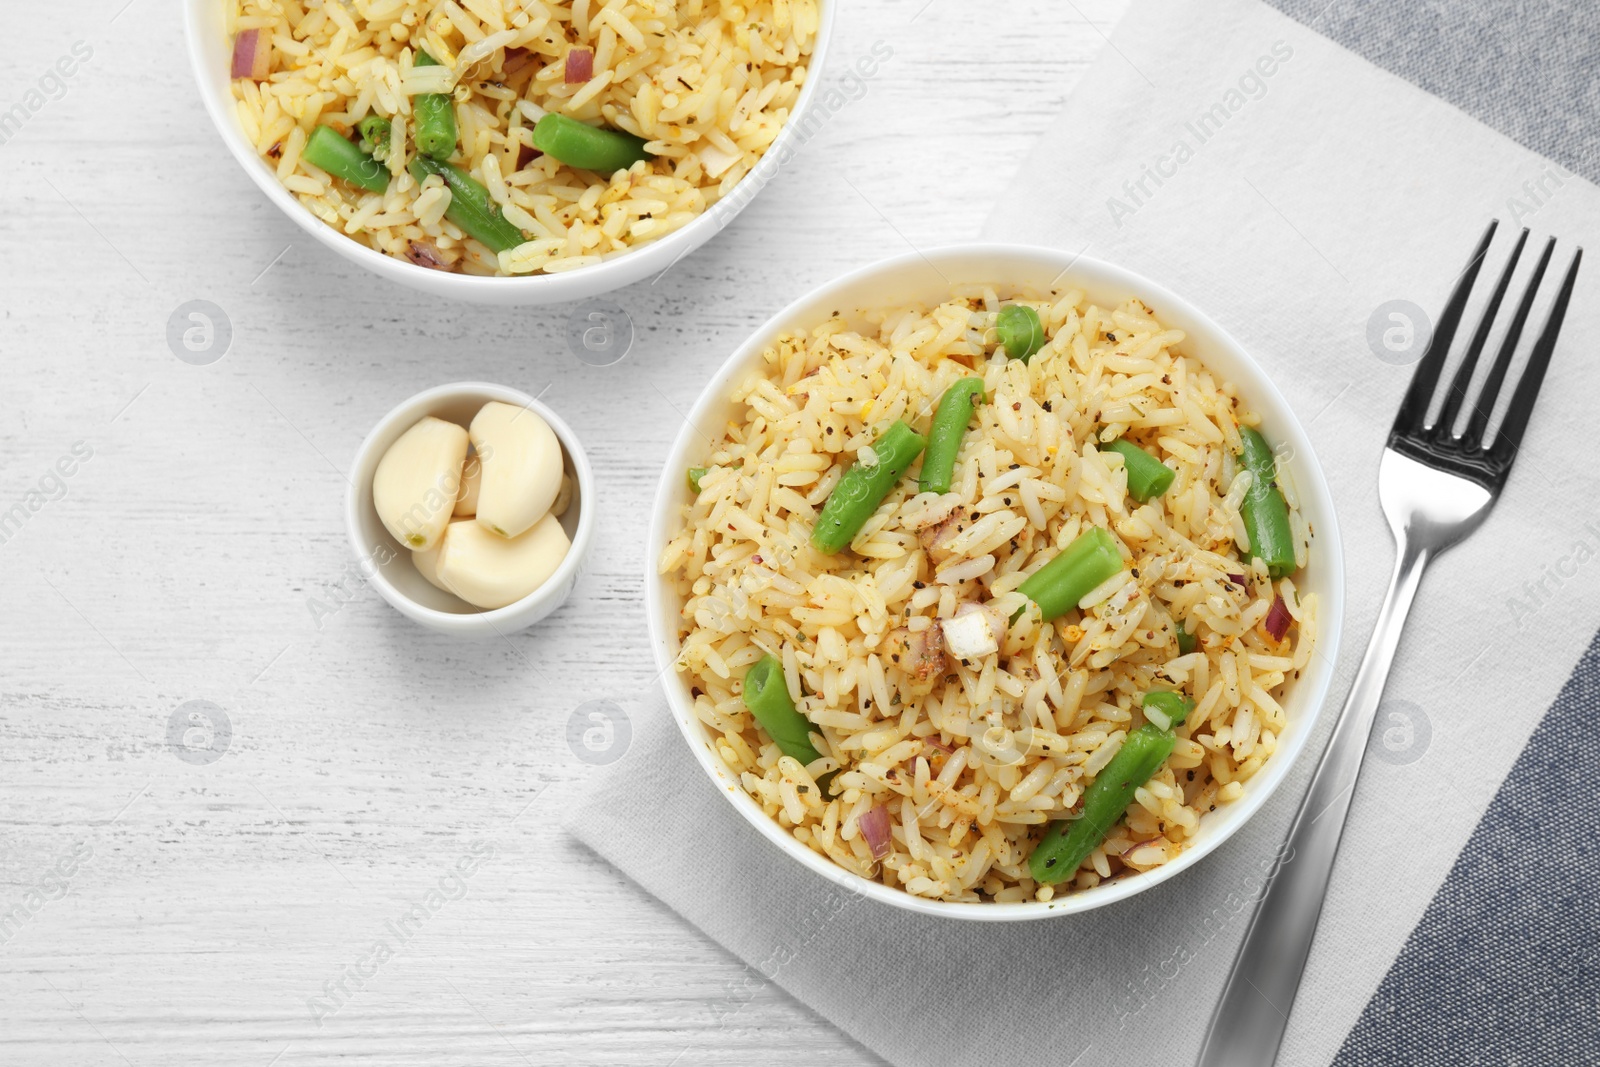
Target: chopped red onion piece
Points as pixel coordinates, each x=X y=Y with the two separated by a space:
x=1278 y=619
x=244 y=53
x=252 y=55
x=516 y=61
x=580 y=66
x=424 y=254
x=875 y=831
x=1236 y=579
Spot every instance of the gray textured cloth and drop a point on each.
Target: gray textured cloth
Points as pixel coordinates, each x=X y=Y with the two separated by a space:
x=1529 y=69
x=1503 y=969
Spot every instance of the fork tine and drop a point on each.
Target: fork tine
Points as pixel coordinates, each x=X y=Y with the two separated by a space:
x=1414 y=408
x=1483 y=407
x=1510 y=436
x=1469 y=363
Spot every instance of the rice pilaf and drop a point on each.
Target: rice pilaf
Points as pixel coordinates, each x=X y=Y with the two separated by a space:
x=964 y=762
x=707 y=85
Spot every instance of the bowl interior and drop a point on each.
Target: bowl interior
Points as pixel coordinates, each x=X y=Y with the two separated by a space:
x=210 y=53
x=1014 y=270
x=384 y=559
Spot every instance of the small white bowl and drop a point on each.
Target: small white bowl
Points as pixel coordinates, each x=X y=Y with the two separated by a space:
x=211 y=55
x=927 y=278
x=387 y=564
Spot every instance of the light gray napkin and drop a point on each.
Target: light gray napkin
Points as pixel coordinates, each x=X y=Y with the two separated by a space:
x=1314 y=190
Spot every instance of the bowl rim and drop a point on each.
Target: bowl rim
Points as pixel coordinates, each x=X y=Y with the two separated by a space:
x=603 y=277
x=417 y=407
x=1310 y=481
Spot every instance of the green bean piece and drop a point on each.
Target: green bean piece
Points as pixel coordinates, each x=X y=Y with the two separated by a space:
x=695 y=474
x=944 y=436
x=436 y=118
x=1068 y=842
x=863 y=488
x=326 y=150
x=1186 y=640
x=471 y=207
x=1265 y=515
x=586 y=147
x=377 y=133
x=1174 y=707
x=1147 y=476
x=1060 y=584
x=766 y=694
x=1021 y=332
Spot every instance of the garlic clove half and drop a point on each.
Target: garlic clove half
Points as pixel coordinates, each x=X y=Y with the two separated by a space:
x=522 y=467
x=415 y=487
x=489 y=571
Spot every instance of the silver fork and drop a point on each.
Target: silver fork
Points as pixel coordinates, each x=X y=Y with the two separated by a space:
x=1435 y=487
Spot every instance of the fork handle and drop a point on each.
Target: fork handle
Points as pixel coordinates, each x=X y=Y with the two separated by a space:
x=1248 y=1024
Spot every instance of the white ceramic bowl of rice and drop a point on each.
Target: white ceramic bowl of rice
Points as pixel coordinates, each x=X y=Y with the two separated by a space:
x=790 y=402
x=722 y=117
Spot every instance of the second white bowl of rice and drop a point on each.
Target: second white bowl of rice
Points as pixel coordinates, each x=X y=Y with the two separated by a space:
x=735 y=554
x=585 y=233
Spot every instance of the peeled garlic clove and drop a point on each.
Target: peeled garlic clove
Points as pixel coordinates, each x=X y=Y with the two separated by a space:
x=563 y=498
x=490 y=571
x=427 y=564
x=417 y=481
x=471 y=478
x=521 y=461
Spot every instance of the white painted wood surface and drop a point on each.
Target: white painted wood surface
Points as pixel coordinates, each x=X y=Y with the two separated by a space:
x=186 y=559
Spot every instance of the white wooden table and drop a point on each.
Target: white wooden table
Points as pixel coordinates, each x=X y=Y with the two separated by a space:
x=160 y=910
